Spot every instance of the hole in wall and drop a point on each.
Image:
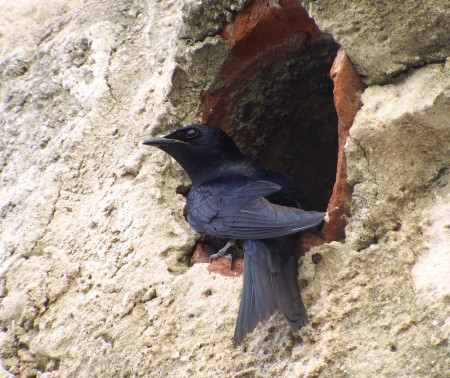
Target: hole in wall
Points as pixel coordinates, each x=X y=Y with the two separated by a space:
x=288 y=111
x=288 y=95
x=276 y=99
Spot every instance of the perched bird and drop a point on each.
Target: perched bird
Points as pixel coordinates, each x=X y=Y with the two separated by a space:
x=234 y=198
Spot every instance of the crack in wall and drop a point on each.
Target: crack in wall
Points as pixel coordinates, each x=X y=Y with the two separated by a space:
x=366 y=154
x=108 y=84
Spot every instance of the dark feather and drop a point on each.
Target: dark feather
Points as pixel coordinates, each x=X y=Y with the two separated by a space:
x=238 y=210
x=270 y=280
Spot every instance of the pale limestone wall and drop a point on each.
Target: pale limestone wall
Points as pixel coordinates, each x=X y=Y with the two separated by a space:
x=386 y=38
x=93 y=243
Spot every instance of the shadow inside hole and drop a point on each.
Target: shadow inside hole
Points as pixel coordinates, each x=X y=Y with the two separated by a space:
x=286 y=120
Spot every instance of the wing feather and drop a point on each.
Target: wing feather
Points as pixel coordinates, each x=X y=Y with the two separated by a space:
x=238 y=210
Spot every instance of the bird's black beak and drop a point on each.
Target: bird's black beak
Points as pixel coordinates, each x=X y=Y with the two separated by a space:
x=161 y=142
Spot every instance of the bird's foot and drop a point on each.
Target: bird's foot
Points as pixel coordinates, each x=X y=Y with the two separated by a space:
x=229 y=257
x=223 y=253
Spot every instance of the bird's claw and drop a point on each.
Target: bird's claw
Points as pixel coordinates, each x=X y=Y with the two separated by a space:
x=227 y=256
x=220 y=253
x=223 y=253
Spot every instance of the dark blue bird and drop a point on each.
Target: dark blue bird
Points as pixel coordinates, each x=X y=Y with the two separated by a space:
x=234 y=198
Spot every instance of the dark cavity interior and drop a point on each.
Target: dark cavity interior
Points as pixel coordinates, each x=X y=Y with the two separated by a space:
x=286 y=120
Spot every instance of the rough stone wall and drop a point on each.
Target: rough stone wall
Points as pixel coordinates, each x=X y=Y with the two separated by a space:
x=386 y=38
x=93 y=244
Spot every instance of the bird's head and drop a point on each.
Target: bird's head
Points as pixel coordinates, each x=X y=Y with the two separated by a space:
x=200 y=149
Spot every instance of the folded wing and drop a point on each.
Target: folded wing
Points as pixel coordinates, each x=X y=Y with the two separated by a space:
x=238 y=210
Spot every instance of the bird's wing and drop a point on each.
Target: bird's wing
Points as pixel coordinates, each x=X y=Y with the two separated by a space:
x=221 y=196
x=260 y=219
x=238 y=210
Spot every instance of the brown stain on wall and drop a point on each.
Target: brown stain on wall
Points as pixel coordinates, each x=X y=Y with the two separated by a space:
x=348 y=87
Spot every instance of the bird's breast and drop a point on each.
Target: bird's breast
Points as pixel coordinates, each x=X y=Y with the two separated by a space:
x=192 y=211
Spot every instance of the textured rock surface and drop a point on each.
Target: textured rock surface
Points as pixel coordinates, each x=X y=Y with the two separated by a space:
x=386 y=38
x=94 y=249
x=397 y=148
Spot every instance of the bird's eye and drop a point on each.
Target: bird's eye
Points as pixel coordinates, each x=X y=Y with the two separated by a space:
x=191 y=133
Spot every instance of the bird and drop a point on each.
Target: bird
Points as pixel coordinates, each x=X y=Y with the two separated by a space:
x=234 y=198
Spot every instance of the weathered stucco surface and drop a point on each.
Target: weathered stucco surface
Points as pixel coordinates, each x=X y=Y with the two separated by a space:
x=386 y=38
x=93 y=244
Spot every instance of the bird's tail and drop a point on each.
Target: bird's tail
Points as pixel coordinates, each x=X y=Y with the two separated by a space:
x=270 y=280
